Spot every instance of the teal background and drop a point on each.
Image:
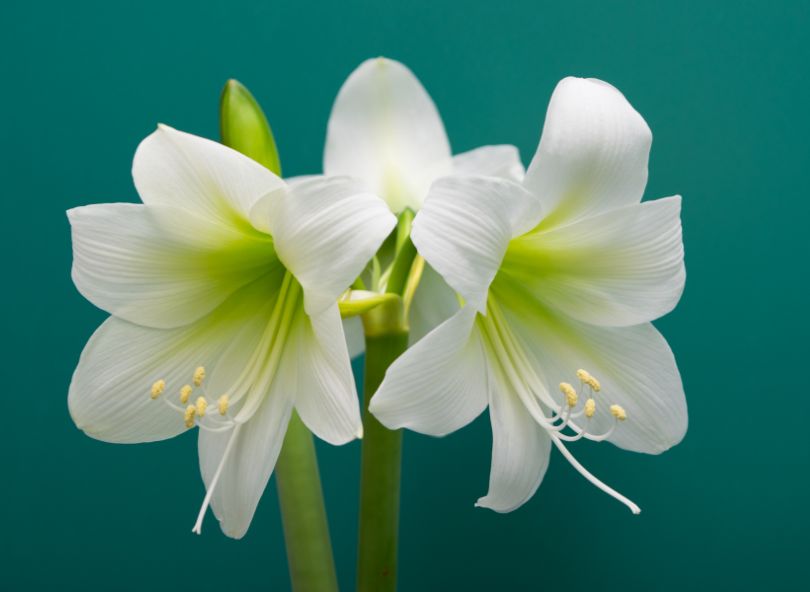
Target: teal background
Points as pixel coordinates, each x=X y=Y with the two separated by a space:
x=724 y=87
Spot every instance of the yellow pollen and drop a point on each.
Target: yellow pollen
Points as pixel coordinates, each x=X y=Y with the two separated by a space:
x=590 y=408
x=201 y=406
x=618 y=412
x=586 y=378
x=188 y=417
x=185 y=393
x=222 y=404
x=570 y=394
x=157 y=388
x=199 y=375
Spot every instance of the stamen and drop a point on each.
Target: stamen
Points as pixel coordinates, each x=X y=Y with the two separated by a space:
x=185 y=393
x=188 y=416
x=199 y=375
x=222 y=404
x=200 y=406
x=586 y=378
x=157 y=388
x=618 y=412
x=590 y=408
x=570 y=393
x=210 y=491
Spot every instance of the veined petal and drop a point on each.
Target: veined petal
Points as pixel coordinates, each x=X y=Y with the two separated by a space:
x=634 y=365
x=109 y=396
x=172 y=168
x=592 y=155
x=490 y=161
x=250 y=459
x=325 y=395
x=618 y=268
x=385 y=130
x=520 y=449
x=438 y=385
x=325 y=231
x=161 y=266
x=433 y=303
x=464 y=228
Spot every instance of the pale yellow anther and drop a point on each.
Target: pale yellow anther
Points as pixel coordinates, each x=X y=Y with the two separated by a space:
x=185 y=393
x=570 y=393
x=590 y=408
x=157 y=388
x=201 y=405
x=618 y=412
x=586 y=378
x=199 y=375
x=222 y=404
x=188 y=416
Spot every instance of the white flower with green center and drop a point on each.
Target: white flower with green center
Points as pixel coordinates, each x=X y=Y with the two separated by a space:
x=222 y=288
x=386 y=132
x=561 y=277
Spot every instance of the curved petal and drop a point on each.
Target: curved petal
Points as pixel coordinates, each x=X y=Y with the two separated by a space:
x=355 y=336
x=520 y=450
x=464 y=228
x=325 y=231
x=438 y=385
x=433 y=303
x=618 y=268
x=593 y=152
x=491 y=161
x=635 y=366
x=173 y=168
x=385 y=130
x=109 y=397
x=250 y=460
x=161 y=266
x=325 y=394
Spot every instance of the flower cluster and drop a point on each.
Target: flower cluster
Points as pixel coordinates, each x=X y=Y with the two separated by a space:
x=230 y=291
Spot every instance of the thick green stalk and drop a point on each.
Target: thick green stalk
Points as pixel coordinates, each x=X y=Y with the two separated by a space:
x=386 y=339
x=306 y=531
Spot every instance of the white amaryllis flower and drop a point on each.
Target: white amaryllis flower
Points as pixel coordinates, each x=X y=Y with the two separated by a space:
x=222 y=288
x=385 y=131
x=561 y=276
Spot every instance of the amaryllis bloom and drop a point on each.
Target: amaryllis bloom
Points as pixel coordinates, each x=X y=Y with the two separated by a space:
x=561 y=276
x=385 y=131
x=222 y=288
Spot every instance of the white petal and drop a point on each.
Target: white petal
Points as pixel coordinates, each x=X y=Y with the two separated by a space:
x=355 y=336
x=173 y=168
x=464 y=228
x=385 y=130
x=490 y=161
x=109 y=394
x=250 y=460
x=325 y=232
x=635 y=366
x=618 y=268
x=325 y=394
x=161 y=266
x=593 y=152
x=433 y=303
x=438 y=385
x=520 y=450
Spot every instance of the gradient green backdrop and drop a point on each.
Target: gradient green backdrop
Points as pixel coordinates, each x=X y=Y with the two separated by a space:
x=724 y=87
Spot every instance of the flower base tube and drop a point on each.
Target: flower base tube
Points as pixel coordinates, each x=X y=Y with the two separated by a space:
x=386 y=339
x=306 y=531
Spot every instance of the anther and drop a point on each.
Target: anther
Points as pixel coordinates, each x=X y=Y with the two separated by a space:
x=222 y=404
x=586 y=378
x=200 y=406
x=570 y=394
x=188 y=416
x=185 y=393
x=199 y=375
x=157 y=388
x=590 y=408
x=618 y=412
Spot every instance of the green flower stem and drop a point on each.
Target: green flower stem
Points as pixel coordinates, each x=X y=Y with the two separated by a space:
x=386 y=338
x=306 y=531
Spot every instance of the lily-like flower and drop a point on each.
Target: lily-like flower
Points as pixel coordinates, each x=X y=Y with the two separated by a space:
x=222 y=288
x=561 y=276
x=385 y=131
